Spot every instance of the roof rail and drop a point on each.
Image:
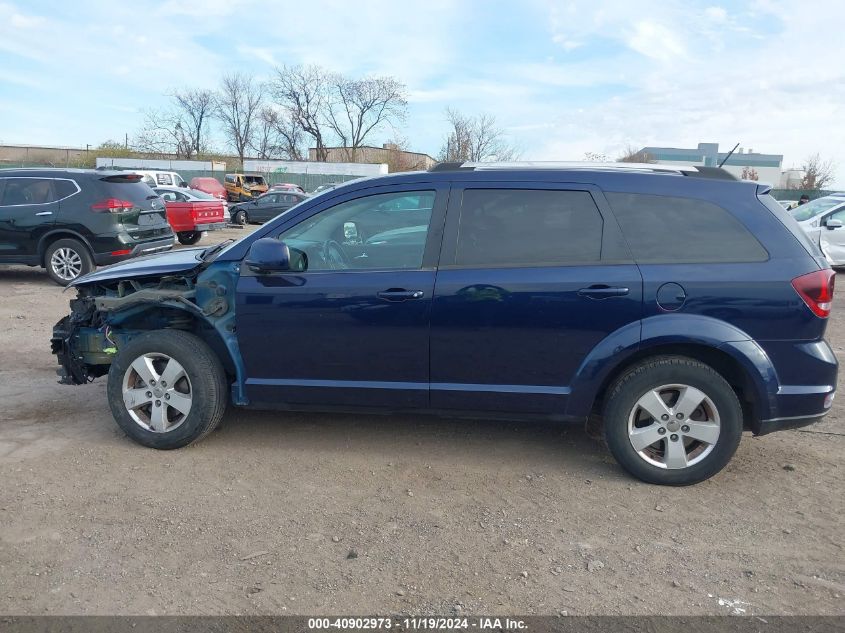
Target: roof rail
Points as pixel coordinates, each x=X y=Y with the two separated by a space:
x=681 y=170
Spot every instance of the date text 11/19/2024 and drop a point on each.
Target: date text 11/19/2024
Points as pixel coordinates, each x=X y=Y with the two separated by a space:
x=417 y=623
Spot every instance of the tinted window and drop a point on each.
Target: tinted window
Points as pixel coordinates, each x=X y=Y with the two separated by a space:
x=28 y=191
x=64 y=188
x=374 y=232
x=666 y=229
x=528 y=227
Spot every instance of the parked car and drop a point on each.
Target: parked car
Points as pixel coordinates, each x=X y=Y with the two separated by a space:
x=210 y=186
x=286 y=186
x=192 y=213
x=244 y=187
x=326 y=187
x=679 y=304
x=69 y=220
x=265 y=207
x=823 y=220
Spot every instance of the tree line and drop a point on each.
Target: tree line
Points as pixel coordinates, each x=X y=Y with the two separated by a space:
x=300 y=107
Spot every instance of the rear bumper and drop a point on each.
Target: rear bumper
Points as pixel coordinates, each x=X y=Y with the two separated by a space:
x=144 y=248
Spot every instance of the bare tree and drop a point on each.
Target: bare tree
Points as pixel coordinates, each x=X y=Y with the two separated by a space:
x=399 y=158
x=475 y=138
x=277 y=135
x=195 y=107
x=303 y=92
x=358 y=107
x=238 y=103
x=633 y=155
x=817 y=172
x=163 y=133
x=596 y=157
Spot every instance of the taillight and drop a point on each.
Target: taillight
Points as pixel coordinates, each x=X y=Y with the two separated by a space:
x=113 y=205
x=816 y=289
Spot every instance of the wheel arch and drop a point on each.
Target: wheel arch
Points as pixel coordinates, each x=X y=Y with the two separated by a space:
x=55 y=235
x=725 y=348
x=147 y=317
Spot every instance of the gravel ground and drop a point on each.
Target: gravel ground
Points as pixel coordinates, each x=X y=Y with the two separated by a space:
x=317 y=514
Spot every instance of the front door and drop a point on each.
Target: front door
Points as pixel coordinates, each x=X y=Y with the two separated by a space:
x=349 y=326
x=531 y=279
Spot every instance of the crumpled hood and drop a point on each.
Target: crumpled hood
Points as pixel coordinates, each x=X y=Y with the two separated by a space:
x=184 y=259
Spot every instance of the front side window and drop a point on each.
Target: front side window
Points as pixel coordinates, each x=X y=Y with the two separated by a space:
x=21 y=191
x=672 y=230
x=384 y=231
x=525 y=227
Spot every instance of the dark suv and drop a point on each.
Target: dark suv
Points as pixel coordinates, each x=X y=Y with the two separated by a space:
x=68 y=220
x=680 y=305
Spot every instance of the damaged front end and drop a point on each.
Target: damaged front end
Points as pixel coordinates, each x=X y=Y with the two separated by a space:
x=109 y=312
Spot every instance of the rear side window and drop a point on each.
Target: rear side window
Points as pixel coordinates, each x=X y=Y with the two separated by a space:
x=64 y=188
x=525 y=227
x=136 y=192
x=788 y=220
x=671 y=230
x=21 y=191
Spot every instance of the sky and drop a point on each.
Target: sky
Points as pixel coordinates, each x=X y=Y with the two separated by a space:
x=562 y=78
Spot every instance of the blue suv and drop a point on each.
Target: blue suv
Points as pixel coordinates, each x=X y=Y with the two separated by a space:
x=678 y=304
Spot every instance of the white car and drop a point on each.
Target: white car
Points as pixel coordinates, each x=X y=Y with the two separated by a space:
x=823 y=220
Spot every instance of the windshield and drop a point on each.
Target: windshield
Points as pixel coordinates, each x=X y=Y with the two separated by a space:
x=816 y=207
x=254 y=180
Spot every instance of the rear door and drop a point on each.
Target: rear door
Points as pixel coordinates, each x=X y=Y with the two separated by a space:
x=28 y=208
x=532 y=277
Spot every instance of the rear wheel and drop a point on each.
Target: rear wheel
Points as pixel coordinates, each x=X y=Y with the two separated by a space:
x=189 y=237
x=672 y=420
x=67 y=259
x=166 y=389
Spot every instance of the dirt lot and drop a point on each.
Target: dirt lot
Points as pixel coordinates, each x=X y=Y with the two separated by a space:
x=317 y=514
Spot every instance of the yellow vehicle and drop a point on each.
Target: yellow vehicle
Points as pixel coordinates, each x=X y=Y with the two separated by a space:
x=243 y=187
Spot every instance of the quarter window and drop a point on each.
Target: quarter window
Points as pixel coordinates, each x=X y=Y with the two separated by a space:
x=64 y=188
x=668 y=229
x=519 y=227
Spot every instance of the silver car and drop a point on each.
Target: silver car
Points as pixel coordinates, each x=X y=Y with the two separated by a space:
x=823 y=220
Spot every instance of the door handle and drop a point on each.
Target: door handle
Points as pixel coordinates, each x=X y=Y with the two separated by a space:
x=45 y=213
x=603 y=291
x=400 y=294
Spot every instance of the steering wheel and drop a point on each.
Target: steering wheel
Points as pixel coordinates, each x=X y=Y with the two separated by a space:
x=335 y=256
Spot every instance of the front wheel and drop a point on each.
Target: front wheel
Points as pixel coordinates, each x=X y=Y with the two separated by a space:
x=240 y=217
x=166 y=389
x=189 y=237
x=672 y=420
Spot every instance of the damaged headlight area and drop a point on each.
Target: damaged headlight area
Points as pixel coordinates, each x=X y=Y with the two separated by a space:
x=105 y=316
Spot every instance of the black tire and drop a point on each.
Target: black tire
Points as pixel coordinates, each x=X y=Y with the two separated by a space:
x=70 y=255
x=189 y=237
x=240 y=217
x=207 y=388
x=622 y=401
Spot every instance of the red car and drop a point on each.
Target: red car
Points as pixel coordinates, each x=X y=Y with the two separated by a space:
x=192 y=213
x=211 y=186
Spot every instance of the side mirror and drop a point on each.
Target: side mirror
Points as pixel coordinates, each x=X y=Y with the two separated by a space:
x=833 y=224
x=350 y=232
x=267 y=255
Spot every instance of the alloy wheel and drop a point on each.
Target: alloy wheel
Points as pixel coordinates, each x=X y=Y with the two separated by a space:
x=157 y=392
x=674 y=426
x=66 y=264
